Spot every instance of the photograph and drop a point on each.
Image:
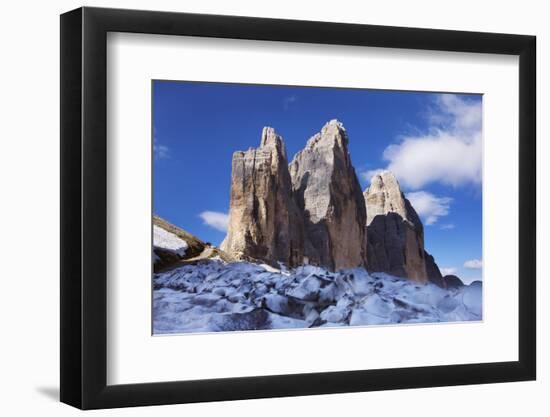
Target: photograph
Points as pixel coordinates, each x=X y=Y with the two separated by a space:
x=295 y=207
x=239 y=195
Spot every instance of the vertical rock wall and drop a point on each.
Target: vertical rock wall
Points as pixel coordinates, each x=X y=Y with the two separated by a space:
x=327 y=191
x=395 y=232
x=313 y=211
x=264 y=222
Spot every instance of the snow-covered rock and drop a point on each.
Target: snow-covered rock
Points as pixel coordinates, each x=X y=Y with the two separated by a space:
x=336 y=313
x=276 y=303
x=163 y=239
x=213 y=296
x=307 y=289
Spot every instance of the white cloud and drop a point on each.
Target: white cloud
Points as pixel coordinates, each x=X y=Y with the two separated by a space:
x=473 y=264
x=448 y=226
x=448 y=271
x=450 y=152
x=428 y=206
x=160 y=151
x=215 y=219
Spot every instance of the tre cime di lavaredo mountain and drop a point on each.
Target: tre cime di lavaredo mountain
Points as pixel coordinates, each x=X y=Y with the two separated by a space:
x=305 y=246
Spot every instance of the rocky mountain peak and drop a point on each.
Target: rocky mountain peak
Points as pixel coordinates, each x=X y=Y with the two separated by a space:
x=314 y=212
x=394 y=230
x=384 y=196
x=326 y=189
x=270 y=139
x=332 y=134
x=395 y=233
x=264 y=222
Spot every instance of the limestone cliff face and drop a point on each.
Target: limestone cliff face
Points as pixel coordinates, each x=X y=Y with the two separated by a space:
x=326 y=190
x=394 y=230
x=264 y=222
x=313 y=211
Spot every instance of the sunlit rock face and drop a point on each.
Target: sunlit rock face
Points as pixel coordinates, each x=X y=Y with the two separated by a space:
x=326 y=190
x=264 y=222
x=313 y=211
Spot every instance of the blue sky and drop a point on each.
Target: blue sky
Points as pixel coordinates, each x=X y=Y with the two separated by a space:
x=432 y=142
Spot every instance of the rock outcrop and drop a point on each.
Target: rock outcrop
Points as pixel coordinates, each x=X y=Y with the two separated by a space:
x=433 y=272
x=326 y=190
x=264 y=222
x=313 y=211
x=453 y=282
x=174 y=247
x=394 y=231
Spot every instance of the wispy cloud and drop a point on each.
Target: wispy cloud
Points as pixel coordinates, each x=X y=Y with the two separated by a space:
x=215 y=219
x=428 y=206
x=160 y=151
x=473 y=264
x=448 y=271
x=449 y=152
x=448 y=226
x=288 y=101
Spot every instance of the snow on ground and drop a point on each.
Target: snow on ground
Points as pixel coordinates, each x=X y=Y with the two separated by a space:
x=214 y=296
x=163 y=239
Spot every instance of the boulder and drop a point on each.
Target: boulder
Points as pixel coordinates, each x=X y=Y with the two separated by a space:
x=307 y=290
x=326 y=190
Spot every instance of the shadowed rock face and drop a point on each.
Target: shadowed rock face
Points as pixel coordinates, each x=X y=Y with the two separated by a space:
x=394 y=230
x=327 y=191
x=264 y=222
x=434 y=274
x=453 y=282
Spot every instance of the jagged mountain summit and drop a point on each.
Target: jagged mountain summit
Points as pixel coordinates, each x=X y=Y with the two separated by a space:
x=326 y=189
x=264 y=222
x=395 y=232
x=297 y=214
x=313 y=211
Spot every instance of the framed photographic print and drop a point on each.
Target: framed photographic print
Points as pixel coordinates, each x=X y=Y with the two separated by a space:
x=258 y=208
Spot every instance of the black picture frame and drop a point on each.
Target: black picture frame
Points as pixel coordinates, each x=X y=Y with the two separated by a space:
x=84 y=207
